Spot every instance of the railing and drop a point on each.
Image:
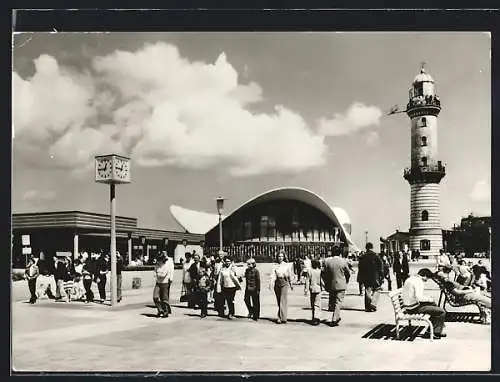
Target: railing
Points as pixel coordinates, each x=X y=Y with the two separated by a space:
x=423 y=101
x=268 y=251
x=437 y=168
x=432 y=173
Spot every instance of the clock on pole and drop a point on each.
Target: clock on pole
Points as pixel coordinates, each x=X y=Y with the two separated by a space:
x=112 y=169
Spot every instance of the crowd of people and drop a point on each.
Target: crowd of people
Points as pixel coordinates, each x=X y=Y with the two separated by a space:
x=217 y=279
x=62 y=279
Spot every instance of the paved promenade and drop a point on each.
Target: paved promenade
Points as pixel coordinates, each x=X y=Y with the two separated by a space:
x=50 y=336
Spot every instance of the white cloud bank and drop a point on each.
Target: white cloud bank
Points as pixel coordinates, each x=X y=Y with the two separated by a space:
x=481 y=191
x=358 y=116
x=162 y=109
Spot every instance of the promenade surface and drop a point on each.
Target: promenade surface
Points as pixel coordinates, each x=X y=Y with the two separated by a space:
x=54 y=336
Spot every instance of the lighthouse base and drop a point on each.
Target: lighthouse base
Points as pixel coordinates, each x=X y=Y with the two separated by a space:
x=427 y=241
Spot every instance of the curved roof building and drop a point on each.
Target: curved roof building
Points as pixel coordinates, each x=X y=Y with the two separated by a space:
x=287 y=215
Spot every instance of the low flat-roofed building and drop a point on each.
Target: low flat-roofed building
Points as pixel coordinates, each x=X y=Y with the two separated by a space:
x=71 y=232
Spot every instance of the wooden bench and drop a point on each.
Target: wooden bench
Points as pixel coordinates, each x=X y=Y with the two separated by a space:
x=400 y=315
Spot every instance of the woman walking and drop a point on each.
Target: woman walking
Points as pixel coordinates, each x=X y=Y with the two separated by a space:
x=281 y=281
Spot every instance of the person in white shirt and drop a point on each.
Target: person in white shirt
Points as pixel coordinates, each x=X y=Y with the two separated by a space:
x=228 y=284
x=442 y=260
x=414 y=301
x=281 y=281
x=164 y=272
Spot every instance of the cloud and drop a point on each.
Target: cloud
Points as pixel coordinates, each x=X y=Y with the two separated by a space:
x=481 y=191
x=358 y=116
x=161 y=109
x=37 y=195
x=372 y=138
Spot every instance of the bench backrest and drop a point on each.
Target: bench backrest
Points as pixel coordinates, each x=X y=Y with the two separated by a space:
x=453 y=299
x=397 y=302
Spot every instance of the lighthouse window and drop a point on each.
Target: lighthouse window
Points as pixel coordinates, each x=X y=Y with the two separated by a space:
x=425 y=215
x=424 y=161
x=424 y=141
x=423 y=122
x=425 y=245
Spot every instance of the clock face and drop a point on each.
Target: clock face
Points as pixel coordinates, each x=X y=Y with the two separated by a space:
x=103 y=169
x=122 y=170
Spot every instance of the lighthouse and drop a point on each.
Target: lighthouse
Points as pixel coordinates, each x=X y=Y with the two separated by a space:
x=426 y=171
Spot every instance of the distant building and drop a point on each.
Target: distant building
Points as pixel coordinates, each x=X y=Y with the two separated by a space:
x=398 y=241
x=472 y=237
x=292 y=218
x=67 y=233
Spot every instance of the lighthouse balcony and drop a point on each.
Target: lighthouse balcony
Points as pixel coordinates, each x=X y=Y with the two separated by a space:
x=422 y=105
x=432 y=173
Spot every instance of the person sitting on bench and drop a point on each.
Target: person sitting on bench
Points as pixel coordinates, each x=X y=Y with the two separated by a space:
x=414 y=301
x=467 y=293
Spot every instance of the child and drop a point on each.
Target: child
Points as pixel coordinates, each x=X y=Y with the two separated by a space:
x=314 y=285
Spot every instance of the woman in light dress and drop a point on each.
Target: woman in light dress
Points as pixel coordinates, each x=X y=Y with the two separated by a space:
x=281 y=282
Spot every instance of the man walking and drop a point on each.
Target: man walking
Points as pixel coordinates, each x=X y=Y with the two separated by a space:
x=414 y=301
x=336 y=276
x=397 y=268
x=252 y=289
x=386 y=269
x=32 y=273
x=371 y=276
x=164 y=272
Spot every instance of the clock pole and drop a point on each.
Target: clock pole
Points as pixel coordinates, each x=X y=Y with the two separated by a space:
x=112 y=169
x=114 y=283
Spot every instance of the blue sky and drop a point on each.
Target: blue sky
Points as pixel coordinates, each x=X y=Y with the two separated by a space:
x=236 y=114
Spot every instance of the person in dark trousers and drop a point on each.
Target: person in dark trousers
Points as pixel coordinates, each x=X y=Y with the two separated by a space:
x=164 y=272
x=102 y=268
x=61 y=276
x=405 y=266
x=194 y=273
x=218 y=297
x=358 y=279
x=398 y=269
x=252 y=290
x=386 y=269
x=414 y=301
x=228 y=284
x=202 y=286
x=32 y=273
x=371 y=275
x=87 y=275
x=336 y=275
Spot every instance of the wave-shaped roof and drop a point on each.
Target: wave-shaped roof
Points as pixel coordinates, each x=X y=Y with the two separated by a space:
x=202 y=222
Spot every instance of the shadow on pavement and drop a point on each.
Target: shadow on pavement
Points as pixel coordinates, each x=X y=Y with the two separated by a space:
x=388 y=332
x=463 y=317
x=353 y=309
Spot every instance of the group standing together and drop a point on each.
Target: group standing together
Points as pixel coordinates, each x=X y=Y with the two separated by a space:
x=61 y=279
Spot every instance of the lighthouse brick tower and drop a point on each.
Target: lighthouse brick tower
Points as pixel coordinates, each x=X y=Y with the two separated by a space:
x=426 y=171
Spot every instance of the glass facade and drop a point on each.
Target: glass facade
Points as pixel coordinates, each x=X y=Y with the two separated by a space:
x=277 y=221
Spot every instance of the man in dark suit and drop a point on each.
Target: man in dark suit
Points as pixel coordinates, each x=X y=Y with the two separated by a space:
x=371 y=276
x=336 y=277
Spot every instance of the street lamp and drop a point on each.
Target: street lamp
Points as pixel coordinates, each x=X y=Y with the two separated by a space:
x=220 y=207
x=112 y=169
